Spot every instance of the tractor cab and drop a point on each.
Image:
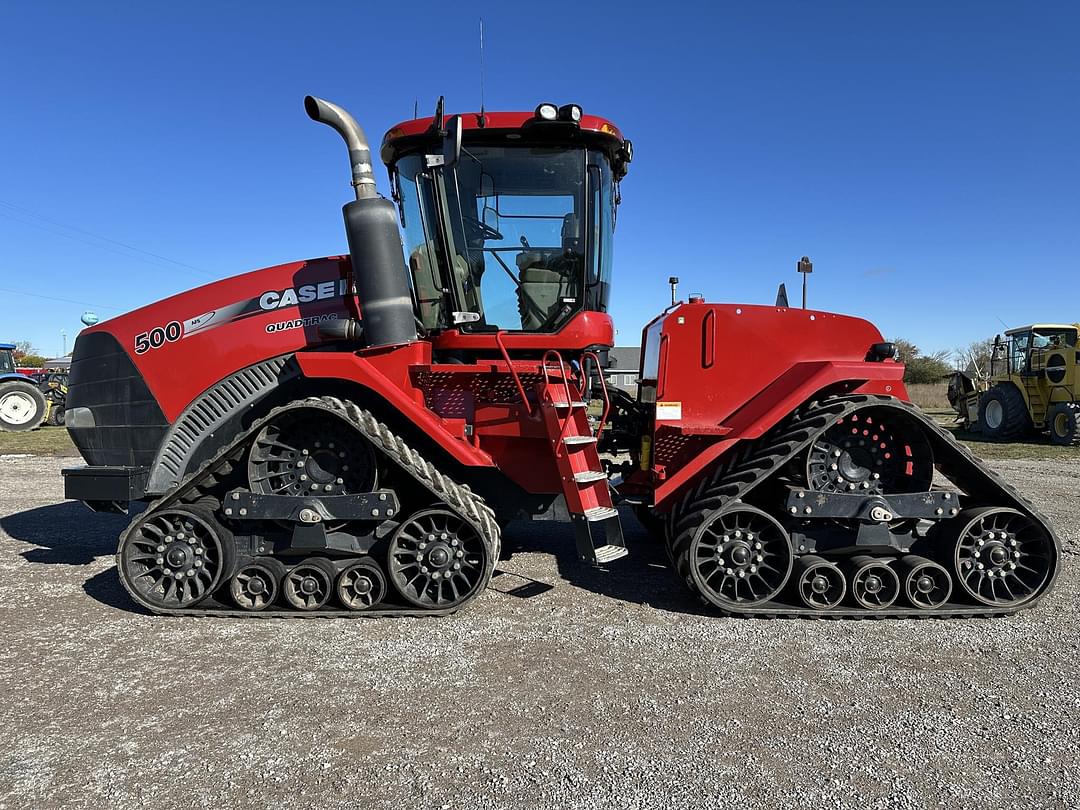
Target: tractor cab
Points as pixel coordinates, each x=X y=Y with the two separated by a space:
x=1027 y=350
x=508 y=218
x=7 y=360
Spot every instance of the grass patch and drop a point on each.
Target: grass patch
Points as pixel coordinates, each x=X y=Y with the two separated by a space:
x=45 y=441
x=930 y=396
x=1035 y=447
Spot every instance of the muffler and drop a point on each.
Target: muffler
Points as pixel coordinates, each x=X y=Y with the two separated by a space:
x=378 y=266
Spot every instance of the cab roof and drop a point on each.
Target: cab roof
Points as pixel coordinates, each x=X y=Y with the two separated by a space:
x=1032 y=327
x=404 y=136
x=10 y=346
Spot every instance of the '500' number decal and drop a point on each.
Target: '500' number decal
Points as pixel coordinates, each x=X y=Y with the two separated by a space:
x=158 y=337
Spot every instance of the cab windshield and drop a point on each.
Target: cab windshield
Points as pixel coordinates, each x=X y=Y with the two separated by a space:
x=1029 y=349
x=7 y=365
x=515 y=238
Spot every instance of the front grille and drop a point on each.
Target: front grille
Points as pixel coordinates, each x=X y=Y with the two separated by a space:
x=128 y=422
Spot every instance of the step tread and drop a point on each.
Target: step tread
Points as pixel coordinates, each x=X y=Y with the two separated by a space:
x=588 y=476
x=606 y=554
x=601 y=513
x=579 y=440
x=577 y=403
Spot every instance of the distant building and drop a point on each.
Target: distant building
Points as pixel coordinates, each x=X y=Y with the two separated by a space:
x=625 y=361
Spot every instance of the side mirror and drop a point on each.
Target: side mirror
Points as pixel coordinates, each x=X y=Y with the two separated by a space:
x=452 y=142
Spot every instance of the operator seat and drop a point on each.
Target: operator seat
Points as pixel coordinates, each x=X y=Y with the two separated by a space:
x=547 y=277
x=428 y=288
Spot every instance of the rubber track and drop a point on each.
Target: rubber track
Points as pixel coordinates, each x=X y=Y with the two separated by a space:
x=767 y=456
x=454 y=496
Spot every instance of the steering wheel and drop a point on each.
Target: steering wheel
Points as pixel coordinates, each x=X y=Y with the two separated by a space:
x=480 y=230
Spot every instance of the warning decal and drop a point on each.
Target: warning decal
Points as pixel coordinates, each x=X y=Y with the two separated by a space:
x=668 y=411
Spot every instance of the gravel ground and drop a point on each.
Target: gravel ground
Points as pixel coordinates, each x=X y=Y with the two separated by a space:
x=610 y=690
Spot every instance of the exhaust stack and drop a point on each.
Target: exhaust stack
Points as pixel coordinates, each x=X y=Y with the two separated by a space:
x=378 y=267
x=325 y=112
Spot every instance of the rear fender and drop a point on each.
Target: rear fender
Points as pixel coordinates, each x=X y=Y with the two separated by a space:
x=385 y=373
x=204 y=427
x=802 y=383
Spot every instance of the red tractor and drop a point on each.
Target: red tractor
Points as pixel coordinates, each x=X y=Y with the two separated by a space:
x=347 y=435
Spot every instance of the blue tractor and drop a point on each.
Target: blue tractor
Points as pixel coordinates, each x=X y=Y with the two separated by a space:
x=22 y=405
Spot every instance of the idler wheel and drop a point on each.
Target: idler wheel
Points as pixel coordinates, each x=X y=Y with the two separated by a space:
x=740 y=557
x=927 y=585
x=308 y=585
x=874 y=585
x=173 y=558
x=254 y=587
x=361 y=585
x=820 y=583
x=877 y=451
x=311 y=452
x=437 y=560
x=1001 y=556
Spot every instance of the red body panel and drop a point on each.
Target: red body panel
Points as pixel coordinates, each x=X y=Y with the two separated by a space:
x=230 y=324
x=495 y=120
x=722 y=373
x=582 y=331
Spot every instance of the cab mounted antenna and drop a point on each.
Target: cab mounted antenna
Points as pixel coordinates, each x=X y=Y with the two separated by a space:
x=483 y=119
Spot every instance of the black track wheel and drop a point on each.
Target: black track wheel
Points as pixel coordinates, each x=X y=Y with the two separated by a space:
x=309 y=585
x=820 y=584
x=310 y=452
x=874 y=451
x=1003 y=414
x=22 y=405
x=1063 y=419
x=254 y=587
x=739 y=557
x=174 y=558
x=926 y=584
x=437 y=560
x=361 y=585
x=874 y=584
x=1001 y=557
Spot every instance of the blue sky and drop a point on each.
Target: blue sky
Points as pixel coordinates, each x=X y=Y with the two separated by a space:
x=926 y=156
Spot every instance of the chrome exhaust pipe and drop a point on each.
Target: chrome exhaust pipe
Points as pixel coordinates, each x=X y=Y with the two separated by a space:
x=326 y=112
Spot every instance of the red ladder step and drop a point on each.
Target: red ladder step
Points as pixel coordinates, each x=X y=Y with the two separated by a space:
x=585 y=483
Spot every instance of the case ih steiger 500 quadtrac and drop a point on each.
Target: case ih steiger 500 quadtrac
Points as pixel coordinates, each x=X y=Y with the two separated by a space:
x=346 y=435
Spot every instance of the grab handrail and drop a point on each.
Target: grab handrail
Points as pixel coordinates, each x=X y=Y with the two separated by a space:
x=569 y=396
x=603 y=387
x=513 y=371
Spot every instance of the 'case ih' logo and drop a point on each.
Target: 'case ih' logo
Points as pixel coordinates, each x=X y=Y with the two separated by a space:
x=278 y=299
